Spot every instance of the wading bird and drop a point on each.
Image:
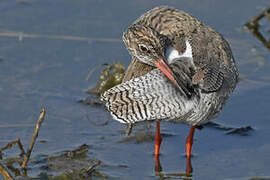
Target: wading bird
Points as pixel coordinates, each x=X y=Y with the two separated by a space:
x=194 y=76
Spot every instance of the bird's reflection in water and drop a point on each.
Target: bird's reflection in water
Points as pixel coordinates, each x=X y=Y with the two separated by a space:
x=183 y=175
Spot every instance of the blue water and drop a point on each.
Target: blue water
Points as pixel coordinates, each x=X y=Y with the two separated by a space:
x=42 y=72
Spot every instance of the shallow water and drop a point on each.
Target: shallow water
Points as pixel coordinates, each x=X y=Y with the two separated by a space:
x=50 y=72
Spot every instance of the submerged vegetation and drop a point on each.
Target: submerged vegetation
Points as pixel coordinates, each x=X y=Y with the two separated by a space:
x=110 y=76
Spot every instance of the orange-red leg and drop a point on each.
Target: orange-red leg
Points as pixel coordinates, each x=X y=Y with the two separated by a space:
x=158 y=139
x=158 y=167
x=189 y=146
x=188 y=167
x=190 y=141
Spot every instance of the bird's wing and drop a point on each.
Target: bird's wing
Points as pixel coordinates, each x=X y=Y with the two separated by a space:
x=212 y=57
x=210 y=78
x=209 y=67
x=147 y=97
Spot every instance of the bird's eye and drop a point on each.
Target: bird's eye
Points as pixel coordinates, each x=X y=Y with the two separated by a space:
x=143 y=48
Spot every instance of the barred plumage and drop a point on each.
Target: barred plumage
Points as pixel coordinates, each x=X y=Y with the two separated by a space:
x=153 y=96
x=209 y=73
x=195 y=76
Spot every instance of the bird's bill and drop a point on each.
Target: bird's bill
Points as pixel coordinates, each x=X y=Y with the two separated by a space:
x=170 y=75
x=166 y=70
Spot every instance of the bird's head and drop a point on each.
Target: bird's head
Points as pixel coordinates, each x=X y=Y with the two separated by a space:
x=148 y=46
x=145 y=44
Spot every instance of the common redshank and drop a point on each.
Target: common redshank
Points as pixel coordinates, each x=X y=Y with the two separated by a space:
x=194 y=76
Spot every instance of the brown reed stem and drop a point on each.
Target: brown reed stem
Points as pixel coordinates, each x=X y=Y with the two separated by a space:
x=6 y=175
x=34 y=137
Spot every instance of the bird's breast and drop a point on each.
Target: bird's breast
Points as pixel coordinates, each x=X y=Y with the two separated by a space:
x=172 y=54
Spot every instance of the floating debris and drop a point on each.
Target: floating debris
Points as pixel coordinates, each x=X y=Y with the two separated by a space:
x=253 y=26
x=6 y=175
x=91 y=169
x=242 y=131
x=24 y=157
x=81 y=151
x=34 y=137
x=10 y=145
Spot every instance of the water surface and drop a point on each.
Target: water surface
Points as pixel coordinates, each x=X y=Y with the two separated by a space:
x=43 y=72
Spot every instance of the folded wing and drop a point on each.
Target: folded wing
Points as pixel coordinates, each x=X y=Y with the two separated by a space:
x=149 y=97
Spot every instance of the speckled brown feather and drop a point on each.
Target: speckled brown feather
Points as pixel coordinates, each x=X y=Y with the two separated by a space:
x=210 y=74
x=207 y=44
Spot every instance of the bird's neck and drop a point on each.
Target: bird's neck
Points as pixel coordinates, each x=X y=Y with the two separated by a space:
x=172 y=54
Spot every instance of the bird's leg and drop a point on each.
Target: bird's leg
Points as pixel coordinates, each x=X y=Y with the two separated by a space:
x=158 y=167
x=188 y=167
x=190 y=141
x=158 y=139
x=128 y=129
x=189 y=146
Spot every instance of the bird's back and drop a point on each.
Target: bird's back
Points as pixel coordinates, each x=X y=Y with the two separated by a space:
x=208 y=45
